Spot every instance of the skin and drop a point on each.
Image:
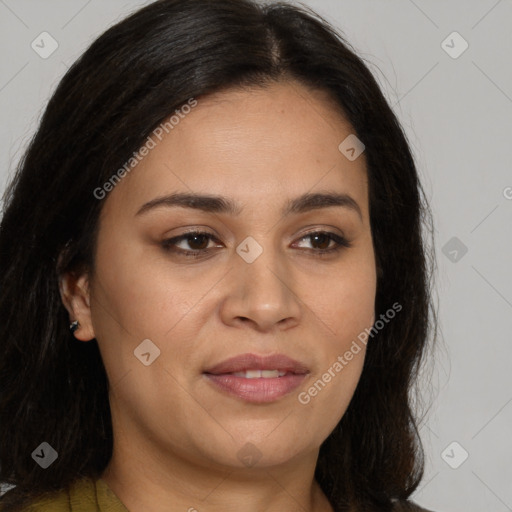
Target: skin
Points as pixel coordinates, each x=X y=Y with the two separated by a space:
x=176 y=437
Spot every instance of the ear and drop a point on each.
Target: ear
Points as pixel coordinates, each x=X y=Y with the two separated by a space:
x=74 y=291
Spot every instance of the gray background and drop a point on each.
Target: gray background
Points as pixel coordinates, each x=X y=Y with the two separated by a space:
x=457 y=114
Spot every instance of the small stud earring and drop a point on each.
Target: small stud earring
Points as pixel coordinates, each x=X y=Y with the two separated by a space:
x=74 y=326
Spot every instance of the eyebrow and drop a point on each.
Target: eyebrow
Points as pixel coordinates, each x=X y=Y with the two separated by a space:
x=221 y=204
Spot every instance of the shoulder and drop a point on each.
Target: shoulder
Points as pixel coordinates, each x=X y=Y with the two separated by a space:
x=54 y=502
x=80 y=494
x=408 y=506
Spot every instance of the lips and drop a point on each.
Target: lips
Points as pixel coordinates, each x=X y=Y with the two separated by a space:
x=257 y=379
x=247 y=362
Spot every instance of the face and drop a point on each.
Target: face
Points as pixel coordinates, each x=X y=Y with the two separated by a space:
x=271 y=276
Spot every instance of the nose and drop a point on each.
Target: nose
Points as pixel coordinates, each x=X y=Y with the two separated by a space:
x=261 y=294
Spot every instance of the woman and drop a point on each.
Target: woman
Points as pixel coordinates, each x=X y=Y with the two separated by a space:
x=215 y=291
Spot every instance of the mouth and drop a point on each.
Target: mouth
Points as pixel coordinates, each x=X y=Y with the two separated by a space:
x=254 y=363
x=260 y=374
x=257 y=379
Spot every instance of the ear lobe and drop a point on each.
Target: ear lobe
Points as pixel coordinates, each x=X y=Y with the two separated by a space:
x=74 y=292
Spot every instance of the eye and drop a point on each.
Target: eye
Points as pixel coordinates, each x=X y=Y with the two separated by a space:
x=198 y=242
x=323 y=239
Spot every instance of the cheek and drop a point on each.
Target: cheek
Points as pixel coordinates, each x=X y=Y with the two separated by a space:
x=344 y=312
x=341 y=301
x=144 y=296
x=325 y=399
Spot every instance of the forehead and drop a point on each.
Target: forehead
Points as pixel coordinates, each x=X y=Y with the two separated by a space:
x=251 y=144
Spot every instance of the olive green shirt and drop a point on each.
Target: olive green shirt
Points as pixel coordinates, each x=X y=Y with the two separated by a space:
x=87 y=495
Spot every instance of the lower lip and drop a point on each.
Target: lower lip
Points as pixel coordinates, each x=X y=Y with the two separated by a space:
x=260 y=390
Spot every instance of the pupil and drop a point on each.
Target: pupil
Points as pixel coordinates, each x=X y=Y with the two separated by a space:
x=204 y=238
x=325 y=239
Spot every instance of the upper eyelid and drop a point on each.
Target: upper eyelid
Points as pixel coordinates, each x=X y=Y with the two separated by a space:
x=314 y=229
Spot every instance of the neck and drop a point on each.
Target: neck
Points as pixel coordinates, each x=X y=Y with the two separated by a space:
x=151 y=481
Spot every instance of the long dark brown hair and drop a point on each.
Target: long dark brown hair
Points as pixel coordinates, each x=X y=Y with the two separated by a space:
x=128 y=81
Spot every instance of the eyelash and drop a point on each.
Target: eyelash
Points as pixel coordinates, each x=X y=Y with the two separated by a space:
x=166 y=244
